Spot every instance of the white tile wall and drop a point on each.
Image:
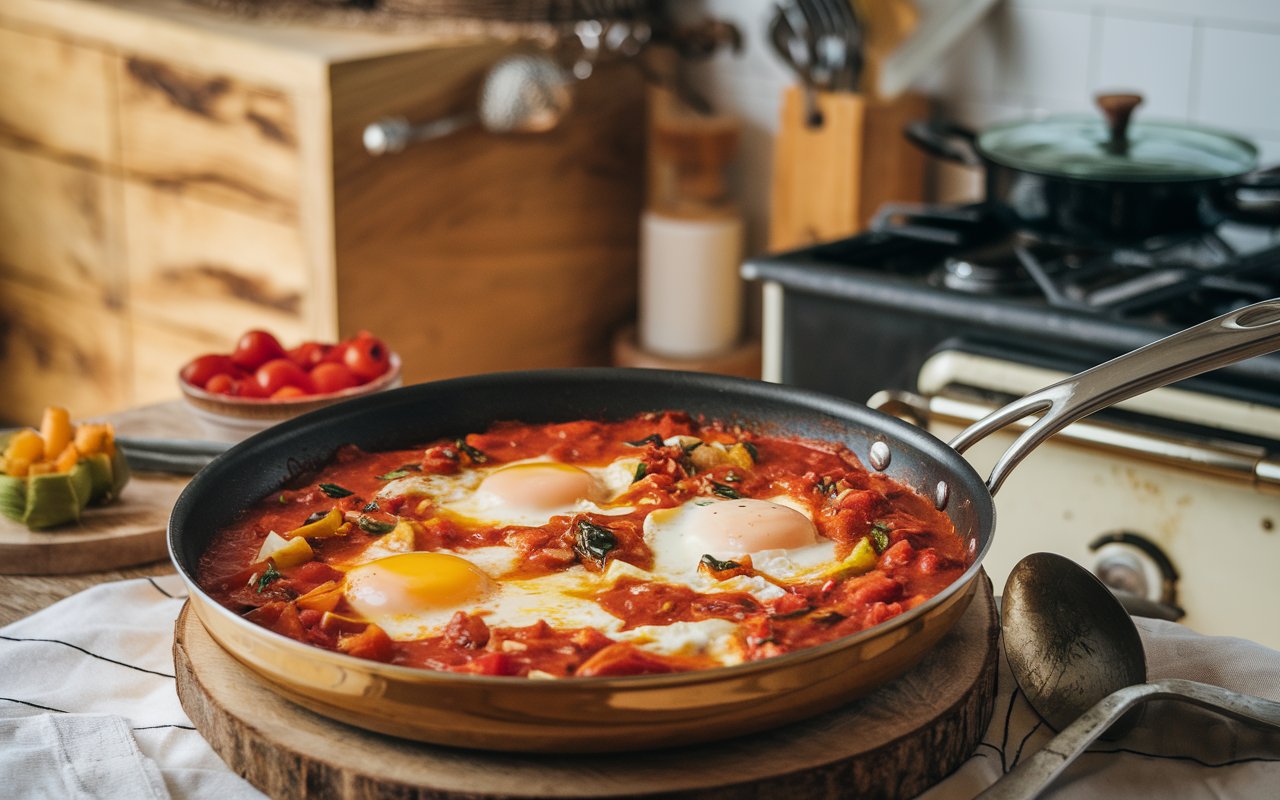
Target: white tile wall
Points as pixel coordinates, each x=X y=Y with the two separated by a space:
x=1216 y=62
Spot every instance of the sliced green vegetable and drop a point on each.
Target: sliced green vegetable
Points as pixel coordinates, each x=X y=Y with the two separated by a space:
x=640 y=472
x=472 y=453
x=593 y=541
x=716 y=565
x=725 y=491
x=393 y=474
x=374 y=526
x=751 y=451
x=269 y=576
x=880 y=536
x=653 y=439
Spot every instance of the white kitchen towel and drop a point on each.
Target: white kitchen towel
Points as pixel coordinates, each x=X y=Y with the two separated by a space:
x=1176 y=750
x=96 y=671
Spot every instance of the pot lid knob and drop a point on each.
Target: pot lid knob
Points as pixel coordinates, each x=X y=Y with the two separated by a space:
x=1118 y=108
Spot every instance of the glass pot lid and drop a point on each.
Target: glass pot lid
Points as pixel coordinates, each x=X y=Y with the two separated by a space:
x=1107 y=147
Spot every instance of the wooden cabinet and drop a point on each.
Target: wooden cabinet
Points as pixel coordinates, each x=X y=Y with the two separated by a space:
x=170 y=178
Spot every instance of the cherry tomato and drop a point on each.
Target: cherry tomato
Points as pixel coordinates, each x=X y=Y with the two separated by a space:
x=287 y=392
x=308 y=354
x=256 y=348
x=222 y=383
x=332 y=378
x=280 y=372
x=367 y=357
x=248 y=387
x=337 y=354
x=198 y=371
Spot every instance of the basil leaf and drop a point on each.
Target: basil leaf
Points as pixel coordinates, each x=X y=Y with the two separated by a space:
x=653 y=439
x=640 y=472
x=335 y=491
x=880 y=537
x=725 y=491
x=374 y=526
x=593 y=541
x=472 y=453
x=393 y=474
x=717 y=565
x=269 y=576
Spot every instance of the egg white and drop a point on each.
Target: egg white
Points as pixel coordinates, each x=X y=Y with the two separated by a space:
x=463 y=495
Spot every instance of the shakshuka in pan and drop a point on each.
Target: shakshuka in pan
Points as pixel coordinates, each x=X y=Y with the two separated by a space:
x=660 y=543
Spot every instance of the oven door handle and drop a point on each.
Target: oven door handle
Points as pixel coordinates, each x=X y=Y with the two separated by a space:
x=1240 y=463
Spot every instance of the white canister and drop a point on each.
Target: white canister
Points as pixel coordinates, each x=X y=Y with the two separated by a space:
x=690 y=292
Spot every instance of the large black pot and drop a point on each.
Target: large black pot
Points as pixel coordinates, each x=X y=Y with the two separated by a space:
x=1100 y=179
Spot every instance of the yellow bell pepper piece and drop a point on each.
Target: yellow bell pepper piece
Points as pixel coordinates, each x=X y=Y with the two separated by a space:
x=328 y=525
x=862 y=559
x=324 y=597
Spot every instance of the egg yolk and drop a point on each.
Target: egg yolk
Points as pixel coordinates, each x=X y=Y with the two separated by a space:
x=410 y=582
x=738 y=527
x=540 y=486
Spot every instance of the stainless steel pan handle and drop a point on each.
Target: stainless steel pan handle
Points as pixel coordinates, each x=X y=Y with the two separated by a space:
x=1250 y=331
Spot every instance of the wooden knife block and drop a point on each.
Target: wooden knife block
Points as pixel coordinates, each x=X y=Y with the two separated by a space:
x=829 y=180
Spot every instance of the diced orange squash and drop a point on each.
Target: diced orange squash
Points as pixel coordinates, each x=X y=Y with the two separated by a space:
x=55 y=429
x=92 y=438
x=67 y=458
x=26 y=445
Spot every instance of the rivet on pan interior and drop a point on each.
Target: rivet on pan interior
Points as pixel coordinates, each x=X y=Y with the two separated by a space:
x=880 y=456
x=941 y=495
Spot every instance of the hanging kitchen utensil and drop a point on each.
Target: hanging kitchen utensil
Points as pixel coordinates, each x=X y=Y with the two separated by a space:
x=1110 y=178
x=523 y=93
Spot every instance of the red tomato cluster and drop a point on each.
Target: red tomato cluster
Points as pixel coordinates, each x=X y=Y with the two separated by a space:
x=260 y=367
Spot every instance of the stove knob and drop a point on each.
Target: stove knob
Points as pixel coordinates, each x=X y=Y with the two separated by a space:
x=1121 y=569
x=1140 y=574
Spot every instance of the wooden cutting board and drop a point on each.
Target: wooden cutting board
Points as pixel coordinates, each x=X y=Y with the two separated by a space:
x=129 y=531
x=896 y=742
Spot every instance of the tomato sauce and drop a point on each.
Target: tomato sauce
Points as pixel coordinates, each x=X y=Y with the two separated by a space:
x=916 y=551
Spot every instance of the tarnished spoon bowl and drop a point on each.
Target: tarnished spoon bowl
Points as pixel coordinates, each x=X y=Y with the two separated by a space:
x=1068 y=640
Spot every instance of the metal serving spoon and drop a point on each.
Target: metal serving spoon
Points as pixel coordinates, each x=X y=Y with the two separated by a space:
x=1077 y=657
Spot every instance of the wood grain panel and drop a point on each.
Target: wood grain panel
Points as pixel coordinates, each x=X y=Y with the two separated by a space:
x=55 y=97
x=210 y=136
x=499 y=252
x=59 y=227
x=204 y=269
x=158 y=352
x=66 y=350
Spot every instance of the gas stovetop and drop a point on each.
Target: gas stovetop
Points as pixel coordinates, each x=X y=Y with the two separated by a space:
x=928 y=274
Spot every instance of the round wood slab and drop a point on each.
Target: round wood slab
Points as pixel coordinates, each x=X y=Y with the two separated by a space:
x=896 y=742
x=128 y=531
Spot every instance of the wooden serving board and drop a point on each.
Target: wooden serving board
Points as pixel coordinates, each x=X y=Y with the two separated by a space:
x=896 y=742
x=129 y=531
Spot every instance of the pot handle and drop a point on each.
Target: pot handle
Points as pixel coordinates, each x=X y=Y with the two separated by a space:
x=945 y=140
x=1249 y=331
x=1264 y=211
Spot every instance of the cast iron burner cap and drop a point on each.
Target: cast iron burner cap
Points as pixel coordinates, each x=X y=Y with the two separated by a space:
x=991 y=270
